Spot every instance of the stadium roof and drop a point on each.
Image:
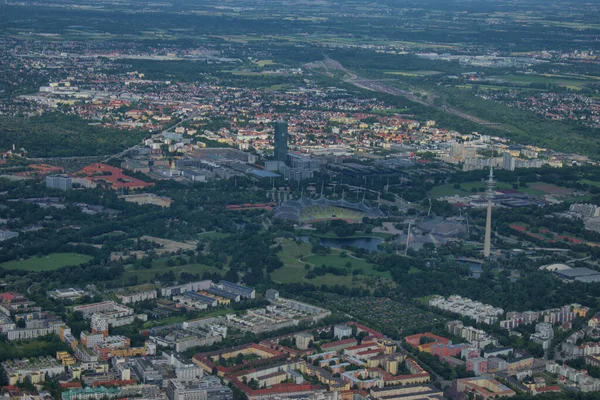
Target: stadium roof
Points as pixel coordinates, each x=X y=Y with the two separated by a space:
x=576 y=272
x=291 y=209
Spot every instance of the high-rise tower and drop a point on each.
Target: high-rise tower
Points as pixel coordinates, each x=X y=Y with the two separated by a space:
x=281 y=140
x=490 y=189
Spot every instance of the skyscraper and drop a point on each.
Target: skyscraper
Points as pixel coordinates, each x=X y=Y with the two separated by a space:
x=281 y=140
x=490 y=189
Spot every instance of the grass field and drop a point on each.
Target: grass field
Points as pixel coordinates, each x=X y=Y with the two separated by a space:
x=590 y=182
x=295 y=256
x=541 y=188
x=337 y=261
x=262 y=63
x=293 y=269
x=160 y=266
x=50 y=262
x=315 y=213
x=571 y=82
x=413 y=73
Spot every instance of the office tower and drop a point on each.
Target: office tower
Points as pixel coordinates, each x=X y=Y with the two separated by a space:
x=281 y=140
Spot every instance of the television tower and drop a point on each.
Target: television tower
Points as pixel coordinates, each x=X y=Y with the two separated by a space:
x=490 y=189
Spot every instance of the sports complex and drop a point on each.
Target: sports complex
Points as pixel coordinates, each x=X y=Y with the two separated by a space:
x=307 y=210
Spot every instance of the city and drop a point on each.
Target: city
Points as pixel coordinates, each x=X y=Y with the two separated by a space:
x=299 y=200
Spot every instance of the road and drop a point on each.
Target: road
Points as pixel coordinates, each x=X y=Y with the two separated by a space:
x=379 y=85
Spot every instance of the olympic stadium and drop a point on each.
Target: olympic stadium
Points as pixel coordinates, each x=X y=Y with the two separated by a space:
x=310 y=210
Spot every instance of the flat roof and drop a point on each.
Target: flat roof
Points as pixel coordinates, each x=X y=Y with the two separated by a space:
x=264 y=174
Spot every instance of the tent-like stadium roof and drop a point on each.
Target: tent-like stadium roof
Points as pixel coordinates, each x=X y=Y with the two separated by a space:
x=291 y=209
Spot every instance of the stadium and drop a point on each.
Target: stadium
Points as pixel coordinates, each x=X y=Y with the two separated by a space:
x=308 y=210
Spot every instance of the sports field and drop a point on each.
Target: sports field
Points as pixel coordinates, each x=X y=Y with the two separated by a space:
x=49 y=262
x=322 y=213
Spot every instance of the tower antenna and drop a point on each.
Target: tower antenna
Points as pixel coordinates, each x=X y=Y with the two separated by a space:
x=490 y=189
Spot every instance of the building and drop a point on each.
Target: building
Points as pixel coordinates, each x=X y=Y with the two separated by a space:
x=61 y=182
x=482 y=313
x=272 y=295
x=106 y=314
x=478 y=365
x=482 y=388
x=543 y=334
x=68 y=293
x=303 y=340
x=241 y=290
x=127 y=298
x=35 y=369
x=181 y=289
x=342 y=331
x=208 y=388
x=281 y=141
x=407 y=392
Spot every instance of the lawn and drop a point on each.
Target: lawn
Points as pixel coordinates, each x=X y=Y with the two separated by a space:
x=334 y=259
x=160 y=266
x=413 y=73
x=262 y=63
x=293 y=268
x=49 y=262
x=571 y=82
x=589 y=182
x=295 y=256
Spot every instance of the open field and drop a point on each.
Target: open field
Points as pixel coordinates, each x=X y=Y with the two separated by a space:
x=160 y=266
x=337 y=261
x=590 y=182
x=262 y=63
x=547 y=188
x=571 y=82
x=485 y=86
x=169 y=245
x=414 y=73
x=295 y=256
x=47 y=263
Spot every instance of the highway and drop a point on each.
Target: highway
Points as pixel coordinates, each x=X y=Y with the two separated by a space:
x=379 y=85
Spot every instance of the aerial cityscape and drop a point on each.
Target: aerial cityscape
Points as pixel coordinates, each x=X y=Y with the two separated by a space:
x=299 y=199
